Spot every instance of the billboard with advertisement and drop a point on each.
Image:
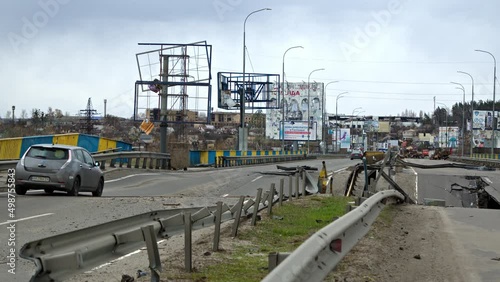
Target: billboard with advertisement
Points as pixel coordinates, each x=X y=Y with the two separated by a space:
x=298 y=131
x=371 y=126
x=295 y=107
x=484 y=120
x=384 y=126
x=343 y=137
x=448 y=136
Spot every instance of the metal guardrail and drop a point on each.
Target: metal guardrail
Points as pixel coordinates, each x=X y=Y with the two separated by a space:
x=140 y=159
x=318 y=255
x=61 y=256
x=5 y=165
x=228 y=161
x=476 y=161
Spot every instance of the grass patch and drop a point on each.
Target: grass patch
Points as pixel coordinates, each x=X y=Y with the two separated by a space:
x=288 y=227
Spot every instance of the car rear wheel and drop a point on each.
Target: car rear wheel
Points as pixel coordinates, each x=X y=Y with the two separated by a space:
x=76 y=187
x=98 y=191
x=20 y=190
x=48 y=190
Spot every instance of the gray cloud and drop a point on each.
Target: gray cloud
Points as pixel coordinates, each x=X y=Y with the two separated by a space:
x=86 y=48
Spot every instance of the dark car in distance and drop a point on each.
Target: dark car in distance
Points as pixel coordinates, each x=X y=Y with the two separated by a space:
x=356 y=154
x=58 y=167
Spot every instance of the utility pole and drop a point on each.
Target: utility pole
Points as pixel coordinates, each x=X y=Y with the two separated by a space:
x=87 y=120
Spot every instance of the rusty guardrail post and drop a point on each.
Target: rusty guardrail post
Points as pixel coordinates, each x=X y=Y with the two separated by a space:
x=256 y=206
x=237 y=217
x=218 y=219
x=280 y=195
x=188 y=248
x=297 y=184
x=270 y=199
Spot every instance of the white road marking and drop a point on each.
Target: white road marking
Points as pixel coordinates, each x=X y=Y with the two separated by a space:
x=225 y=195
x=258 y=177
x=416 y=185
x=339 y=170
x=26 y=218
x=118 y=259
x=129 y=176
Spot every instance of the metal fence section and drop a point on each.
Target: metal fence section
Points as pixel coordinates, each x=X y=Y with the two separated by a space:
x=61 y=256
x=227 y=161
x=129 y=159
x=318 y=255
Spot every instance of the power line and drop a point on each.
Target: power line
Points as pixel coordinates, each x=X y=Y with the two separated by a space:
x=377 y=81
x=394 y=82
x=377 y=62
x=398 y=93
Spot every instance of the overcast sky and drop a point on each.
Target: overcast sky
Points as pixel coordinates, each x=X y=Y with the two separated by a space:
x=389 y=55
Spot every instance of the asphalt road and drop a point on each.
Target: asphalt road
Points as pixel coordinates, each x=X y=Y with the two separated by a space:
x=131 y=192
x=127 y=193
x=449 y=184
x=474 y=232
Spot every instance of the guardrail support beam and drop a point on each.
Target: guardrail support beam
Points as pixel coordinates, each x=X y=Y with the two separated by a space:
x=256 y=206
x=218 y=216
x=237 y=217
x=188 y=247
x=153 y=254
x=275 y=258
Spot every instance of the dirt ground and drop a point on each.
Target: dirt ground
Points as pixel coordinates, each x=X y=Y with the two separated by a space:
x=412 y=246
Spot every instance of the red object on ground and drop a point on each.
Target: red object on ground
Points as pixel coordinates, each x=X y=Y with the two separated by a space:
x=425 y=152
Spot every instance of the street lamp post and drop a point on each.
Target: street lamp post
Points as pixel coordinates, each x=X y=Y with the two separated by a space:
x=472 y=114
x=309 y=108
x=13 y=114
x=447 y=113
x=352 y=119
x=336 y=119
x=355 y=109
x=283 y=100
x=324 y=112
x=242 y=138
x=463 y=115
x=494 y=100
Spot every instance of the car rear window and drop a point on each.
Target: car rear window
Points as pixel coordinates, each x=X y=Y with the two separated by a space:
x=48 y=153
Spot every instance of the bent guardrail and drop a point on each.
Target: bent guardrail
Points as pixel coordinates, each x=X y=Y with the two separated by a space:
x=58 y=257
x=477 y=161
x=318 y=255
x=227 y=161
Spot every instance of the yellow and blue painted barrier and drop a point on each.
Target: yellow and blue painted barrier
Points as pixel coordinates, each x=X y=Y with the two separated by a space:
x=14 y=148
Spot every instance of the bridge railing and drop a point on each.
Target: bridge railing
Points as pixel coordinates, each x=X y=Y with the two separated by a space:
x=128 y=159
x=228 y=161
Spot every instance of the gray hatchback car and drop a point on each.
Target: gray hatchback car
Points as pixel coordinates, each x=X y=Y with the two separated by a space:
x=58 y=167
